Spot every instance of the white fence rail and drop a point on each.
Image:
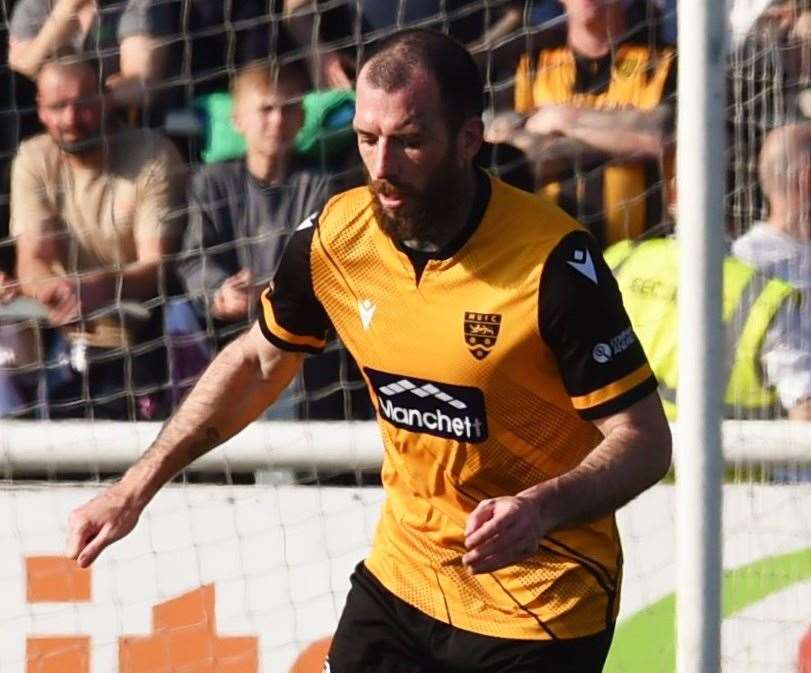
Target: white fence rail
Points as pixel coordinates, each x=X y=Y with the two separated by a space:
x=109 y=446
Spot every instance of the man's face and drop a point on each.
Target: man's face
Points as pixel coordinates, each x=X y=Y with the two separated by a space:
x=412 y=162
x=269 y=117
x=70 y=108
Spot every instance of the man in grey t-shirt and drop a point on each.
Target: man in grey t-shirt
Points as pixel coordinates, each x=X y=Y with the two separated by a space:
x=242 y=214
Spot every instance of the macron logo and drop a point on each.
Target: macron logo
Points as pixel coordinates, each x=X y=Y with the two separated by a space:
x=366 y=308
x=582 y=262
x=307 y=223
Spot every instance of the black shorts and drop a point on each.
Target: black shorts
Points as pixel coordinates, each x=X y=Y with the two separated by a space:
x=379 y=633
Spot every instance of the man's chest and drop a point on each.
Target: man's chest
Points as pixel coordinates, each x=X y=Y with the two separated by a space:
x=452 y=324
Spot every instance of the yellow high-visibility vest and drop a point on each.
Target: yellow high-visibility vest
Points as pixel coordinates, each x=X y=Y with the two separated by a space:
x=647 y=273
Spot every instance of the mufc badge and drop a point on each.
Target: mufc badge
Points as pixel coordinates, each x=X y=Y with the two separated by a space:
x=481 y=332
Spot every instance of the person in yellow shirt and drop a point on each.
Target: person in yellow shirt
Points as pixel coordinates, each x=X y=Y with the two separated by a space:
x=595 y=116
x=516 y=406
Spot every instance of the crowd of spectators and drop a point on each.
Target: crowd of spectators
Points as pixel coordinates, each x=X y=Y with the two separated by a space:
x=155 y=156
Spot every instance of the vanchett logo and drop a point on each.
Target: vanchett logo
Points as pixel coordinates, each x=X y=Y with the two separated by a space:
x=430 y=407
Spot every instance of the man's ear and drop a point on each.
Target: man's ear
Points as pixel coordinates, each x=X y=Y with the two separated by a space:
x=469 y=139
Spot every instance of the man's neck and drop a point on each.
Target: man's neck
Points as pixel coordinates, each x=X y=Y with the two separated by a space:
x=595 y=39
x=267 y=169
x=460 y=216
x=90 y=160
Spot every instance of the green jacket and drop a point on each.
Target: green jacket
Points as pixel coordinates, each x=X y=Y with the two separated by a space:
x=647 y=273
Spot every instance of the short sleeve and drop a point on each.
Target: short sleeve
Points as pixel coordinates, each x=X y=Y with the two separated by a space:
x=31 y=210
x=290 y=315
x=584 y=323
x=161 y=204
x=145 y=17
x=28 y=18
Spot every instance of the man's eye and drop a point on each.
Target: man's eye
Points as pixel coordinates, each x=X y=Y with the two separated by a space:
x=368 y=140
x=412 y=143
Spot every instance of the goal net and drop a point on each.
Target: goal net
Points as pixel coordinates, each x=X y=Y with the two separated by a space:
x=241 y=565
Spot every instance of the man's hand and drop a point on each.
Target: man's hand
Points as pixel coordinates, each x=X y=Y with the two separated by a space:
x=60 y=296
x=97 y=524
x=9 y=289
x=233 y=300
x=549 y=119
x=501 y=532
x=503 y=126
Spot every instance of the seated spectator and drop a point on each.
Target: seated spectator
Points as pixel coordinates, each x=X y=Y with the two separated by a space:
x=94 y=209
x=123 y=35
x=243 y=211
x=780 y=246
x=593 y=112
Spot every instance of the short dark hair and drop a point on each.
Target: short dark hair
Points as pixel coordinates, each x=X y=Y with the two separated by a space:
x=393 y=62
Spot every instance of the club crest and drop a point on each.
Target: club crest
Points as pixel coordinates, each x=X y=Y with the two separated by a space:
x=481 y=332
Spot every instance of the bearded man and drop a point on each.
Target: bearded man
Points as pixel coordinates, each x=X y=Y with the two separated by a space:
x=94 y=209
x=517 y=408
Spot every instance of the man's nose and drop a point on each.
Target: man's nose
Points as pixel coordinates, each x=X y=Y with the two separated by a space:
x=386 y=160
x=69 y=114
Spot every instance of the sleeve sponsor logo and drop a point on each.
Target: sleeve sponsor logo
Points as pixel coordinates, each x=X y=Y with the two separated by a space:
x=604 y=352
x=430 y=407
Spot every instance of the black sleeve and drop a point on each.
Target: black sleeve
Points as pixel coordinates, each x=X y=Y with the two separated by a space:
x=290 y=315
x=583 y=321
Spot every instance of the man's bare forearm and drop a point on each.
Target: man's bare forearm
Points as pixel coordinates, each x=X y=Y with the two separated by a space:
x=623 y=133
x=27 y=57
x=232 y=392
x=628 y=461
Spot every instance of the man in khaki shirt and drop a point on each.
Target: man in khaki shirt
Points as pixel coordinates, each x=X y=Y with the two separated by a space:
x=94 y=209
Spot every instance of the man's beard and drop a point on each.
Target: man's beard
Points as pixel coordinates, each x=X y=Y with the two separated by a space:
x=87 y=143
x=423 y=216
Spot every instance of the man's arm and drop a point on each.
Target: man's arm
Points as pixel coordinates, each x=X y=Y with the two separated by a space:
x=634 y=454
x=26 y=55
x=621 y=134
x=239 y=384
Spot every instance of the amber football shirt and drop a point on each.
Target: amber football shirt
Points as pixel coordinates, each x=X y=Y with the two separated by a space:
x=618 y=199
x=485 y=363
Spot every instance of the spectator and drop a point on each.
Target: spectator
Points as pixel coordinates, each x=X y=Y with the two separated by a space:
x=124 y=36
x=766 y=288
x=242 y=212
x=594 y=114
x=781 y=246
x=94 y=209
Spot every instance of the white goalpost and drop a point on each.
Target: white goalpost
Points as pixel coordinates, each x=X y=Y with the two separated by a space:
x=700 y=174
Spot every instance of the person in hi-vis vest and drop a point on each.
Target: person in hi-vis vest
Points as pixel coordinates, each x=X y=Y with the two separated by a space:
x=647 y=273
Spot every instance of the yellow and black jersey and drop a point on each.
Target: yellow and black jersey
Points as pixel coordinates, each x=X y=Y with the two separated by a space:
x=485 y=363
x=616 y=200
